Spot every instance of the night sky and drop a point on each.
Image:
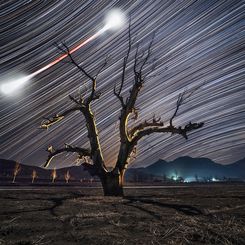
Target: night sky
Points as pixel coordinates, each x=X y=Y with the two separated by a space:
x=196 y=42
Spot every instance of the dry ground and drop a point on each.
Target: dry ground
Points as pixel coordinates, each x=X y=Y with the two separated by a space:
x=213 y=214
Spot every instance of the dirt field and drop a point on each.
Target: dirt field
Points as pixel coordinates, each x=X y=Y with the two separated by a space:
x=213 y=214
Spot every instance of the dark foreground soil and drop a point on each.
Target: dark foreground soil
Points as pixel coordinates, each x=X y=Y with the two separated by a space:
x=213 y=214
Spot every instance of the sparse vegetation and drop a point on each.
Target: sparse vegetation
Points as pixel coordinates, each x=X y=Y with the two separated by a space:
x=213 y=214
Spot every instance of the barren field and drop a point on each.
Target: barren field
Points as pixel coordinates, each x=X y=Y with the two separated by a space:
x=208 y=214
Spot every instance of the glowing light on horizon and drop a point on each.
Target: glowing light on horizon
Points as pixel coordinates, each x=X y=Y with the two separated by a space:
x=114 y=21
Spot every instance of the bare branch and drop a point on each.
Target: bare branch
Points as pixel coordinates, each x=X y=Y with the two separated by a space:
x=125 y=61
x=182 y=99
x=79 y=102
x=68 y=148
x=75 y=63
x=153 y=67
x=136 y=58
x=96 y=153
x=156 y=122
x=119 y=96
x=129 y=106
x=93 y=79
x=148 y=53
x=178 y=104
x=139 y=80
x=102 y=67
x=57 y=118
x=147 y=128
x=181 y=131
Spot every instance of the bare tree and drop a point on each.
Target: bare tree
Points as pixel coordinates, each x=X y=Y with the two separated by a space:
x=33 y=175
x=17 y=169
x=92 y=159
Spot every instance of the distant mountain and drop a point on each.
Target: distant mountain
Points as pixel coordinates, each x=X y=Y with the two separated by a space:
x=190 y=169
x=7 y=168
x=187 y=167
x=239 y=164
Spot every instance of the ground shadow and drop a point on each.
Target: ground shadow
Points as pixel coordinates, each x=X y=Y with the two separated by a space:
x=185 y=209
x=57 y=202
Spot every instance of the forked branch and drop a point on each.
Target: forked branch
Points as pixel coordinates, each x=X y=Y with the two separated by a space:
x=170 y=129
x=156 y=126
x=93 y=95
x=155 y=122
x=83 y=105
x=82 y=152
x=128 y=106
x=125 y=61
x=182 y=99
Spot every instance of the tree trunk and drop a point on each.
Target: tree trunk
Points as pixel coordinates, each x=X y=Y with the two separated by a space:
x=112 y=184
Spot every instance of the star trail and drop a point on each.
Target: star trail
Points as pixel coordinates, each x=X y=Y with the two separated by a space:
x=196 y=42
x=115 y=20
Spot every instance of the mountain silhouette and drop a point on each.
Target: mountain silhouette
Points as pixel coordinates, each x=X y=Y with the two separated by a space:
x=192 y=169
x=185 y=167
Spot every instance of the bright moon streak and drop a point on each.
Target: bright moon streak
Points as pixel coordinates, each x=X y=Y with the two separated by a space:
x=114 y=20
x=13 y=86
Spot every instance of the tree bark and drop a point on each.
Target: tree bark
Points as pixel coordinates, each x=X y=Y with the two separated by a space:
x=112 y=183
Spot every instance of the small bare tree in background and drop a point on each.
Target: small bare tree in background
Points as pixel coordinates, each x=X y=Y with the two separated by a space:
x=67 y=176
x=112 y=180
x=53 y=175
x=33 y=175
x=17 y=169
